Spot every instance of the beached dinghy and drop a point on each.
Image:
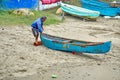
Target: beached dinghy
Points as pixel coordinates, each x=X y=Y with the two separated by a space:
x=105 y=9
x=78 y=11
x=70 y=45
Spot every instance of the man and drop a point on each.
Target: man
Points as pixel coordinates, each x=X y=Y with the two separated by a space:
x=37 y=26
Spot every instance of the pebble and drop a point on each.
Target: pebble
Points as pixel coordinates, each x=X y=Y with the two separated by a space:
x=54 y=76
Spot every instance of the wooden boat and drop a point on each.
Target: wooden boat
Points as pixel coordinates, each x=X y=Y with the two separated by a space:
x=70 y=45
x=105 y=9
x=79 y=11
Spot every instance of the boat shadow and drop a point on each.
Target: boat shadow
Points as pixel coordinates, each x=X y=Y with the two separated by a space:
x=80 y=18
x=95 y=57
x=90 y=56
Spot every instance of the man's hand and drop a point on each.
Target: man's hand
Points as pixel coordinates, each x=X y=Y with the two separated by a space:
x=42 y=27
x=42 y=32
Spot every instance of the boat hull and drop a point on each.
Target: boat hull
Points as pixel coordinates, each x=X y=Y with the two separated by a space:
x=78 y=11
x=63 y=44
x=102 y=7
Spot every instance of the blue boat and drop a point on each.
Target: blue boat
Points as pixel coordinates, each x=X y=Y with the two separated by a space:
x=71 y=45
x=104 y=8
x=15 y=4
x=79 y=11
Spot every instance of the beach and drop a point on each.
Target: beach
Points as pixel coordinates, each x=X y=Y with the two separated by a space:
x=21 y=60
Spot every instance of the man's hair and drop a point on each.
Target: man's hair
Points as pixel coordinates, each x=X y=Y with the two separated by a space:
x=43 y=17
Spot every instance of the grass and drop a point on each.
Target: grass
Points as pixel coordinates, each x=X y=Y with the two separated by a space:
x=11 y=19
x=74 y=2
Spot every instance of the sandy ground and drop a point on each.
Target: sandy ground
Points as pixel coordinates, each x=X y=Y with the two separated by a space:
x=20 y=60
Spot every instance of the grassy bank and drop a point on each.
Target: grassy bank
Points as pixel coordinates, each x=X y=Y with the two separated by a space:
x=11 y=19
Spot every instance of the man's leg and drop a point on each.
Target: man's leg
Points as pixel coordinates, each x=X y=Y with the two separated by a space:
x=35 y=33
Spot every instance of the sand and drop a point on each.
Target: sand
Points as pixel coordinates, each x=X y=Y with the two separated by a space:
x=20 y=60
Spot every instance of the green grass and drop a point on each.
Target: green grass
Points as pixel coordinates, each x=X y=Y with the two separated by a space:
x=11 y=19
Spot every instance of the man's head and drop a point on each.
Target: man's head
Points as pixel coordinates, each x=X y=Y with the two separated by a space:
x=43 y=18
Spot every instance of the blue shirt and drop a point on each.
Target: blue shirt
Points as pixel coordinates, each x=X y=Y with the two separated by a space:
x=37 y=24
